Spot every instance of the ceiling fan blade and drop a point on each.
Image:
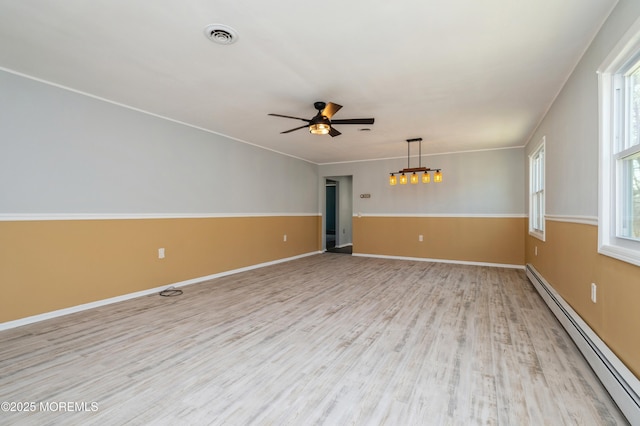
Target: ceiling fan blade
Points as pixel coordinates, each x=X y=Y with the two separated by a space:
x=292 y=130
x=333 y=132
x=353 y=121
x=288 y=116
x=331 y=109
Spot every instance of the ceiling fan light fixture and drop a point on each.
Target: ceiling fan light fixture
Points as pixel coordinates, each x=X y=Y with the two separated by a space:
x=319 y=128
x=321 y=123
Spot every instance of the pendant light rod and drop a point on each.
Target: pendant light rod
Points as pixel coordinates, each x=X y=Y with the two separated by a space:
x=419 y=151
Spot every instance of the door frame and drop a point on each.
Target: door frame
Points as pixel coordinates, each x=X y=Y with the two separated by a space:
x=343 y=209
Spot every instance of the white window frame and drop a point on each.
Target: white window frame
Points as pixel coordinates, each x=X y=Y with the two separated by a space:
x=612 y=115
x=537 y=191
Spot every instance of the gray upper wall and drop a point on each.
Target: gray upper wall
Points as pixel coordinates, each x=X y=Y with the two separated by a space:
x=474 y=183
x=62 y=152
x=571 y=125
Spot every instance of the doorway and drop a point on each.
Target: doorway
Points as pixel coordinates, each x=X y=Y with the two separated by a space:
x=331 y=213
x=338 y=214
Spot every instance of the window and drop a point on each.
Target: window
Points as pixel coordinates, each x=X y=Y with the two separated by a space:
x=536 y=192
x=619 y=202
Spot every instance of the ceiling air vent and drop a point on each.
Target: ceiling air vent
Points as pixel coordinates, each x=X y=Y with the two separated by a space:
x=221 y=34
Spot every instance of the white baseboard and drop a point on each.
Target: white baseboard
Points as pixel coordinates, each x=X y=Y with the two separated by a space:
x=73 y=309
x=620 y=382
x=425 y=259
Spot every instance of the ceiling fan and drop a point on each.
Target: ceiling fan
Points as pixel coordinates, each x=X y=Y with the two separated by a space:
x=321 y=123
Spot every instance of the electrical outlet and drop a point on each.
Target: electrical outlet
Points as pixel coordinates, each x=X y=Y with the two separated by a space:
x=420 y=238
x=594 y=290
x=161 y=253
x=284 y=238
x=535 y=250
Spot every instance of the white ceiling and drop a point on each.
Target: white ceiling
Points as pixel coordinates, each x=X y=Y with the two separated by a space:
x=461 y=74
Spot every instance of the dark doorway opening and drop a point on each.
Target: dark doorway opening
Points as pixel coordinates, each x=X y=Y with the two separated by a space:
x=332 y=219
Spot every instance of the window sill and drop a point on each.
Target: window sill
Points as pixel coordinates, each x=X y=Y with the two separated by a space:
x=537 y=234
x=621 y=253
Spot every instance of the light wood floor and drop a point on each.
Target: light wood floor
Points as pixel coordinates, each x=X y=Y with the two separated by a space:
x=327 y=339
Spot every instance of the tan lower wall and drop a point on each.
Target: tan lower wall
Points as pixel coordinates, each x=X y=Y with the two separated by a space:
x=472 y=239
x=569 y=261
x=51 y=265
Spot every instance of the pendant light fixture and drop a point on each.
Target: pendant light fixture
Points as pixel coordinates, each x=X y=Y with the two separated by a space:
x=413 y=172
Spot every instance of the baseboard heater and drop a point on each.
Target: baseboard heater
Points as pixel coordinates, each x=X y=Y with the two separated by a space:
x=620 y=382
